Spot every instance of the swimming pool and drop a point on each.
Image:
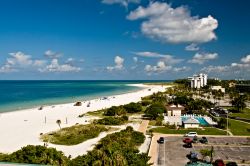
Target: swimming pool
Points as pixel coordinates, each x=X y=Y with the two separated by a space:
x=202 y=121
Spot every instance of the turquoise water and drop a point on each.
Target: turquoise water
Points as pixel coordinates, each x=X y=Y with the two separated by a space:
x=202 y=121
x=16 y=95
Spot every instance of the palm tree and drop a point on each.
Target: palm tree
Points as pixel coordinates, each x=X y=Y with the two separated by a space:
x=239 y=102
x=59 y=123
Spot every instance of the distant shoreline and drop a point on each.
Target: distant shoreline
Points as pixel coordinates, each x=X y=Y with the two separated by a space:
x=19 y=95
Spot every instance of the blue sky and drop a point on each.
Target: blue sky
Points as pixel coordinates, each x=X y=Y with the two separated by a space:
x=124 y=39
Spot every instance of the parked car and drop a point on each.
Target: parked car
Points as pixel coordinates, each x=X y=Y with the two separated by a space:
x=191 y=134
x=195 y=139
x=161 y=140
x=219 y=162
x=192 y=156
x=188 y=145
x=231 y=164
x=187 y=140
x=203 y=140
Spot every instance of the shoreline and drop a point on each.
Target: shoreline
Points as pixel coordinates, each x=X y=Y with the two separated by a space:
x=23 y=127
x=83 y=98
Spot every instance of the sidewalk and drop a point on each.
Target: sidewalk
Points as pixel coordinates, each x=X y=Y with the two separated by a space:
x=143 y=126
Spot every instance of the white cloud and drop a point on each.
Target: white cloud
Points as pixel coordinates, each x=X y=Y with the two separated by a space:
x=121 y=2
x=192 y=47
x=39 y=63
x=16 y=61
x=181 y=69
x=54 y=66
x=52 y=54
x=135 y=59
x=174 y=25
x=118 y=64
x=201 y=58
x=7 y=69
x=215 y=69
x=19 y=58
x=246 y=59
x=159 y=68
x=168 y=59
x=233 y=70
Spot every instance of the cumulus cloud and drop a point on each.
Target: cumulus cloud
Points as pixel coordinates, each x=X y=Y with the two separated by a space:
x=7 y=68
x=174 y=25
x=135 y=59
x=246 y=59
x=19 y=60
x=52 y=54
x=192 y=47
x=54 y=66
x=201 y=58
x=118 y=64
x=121 y=2
x=234 y=69
x=168 y=59
x=158 y=68
x=39 y=63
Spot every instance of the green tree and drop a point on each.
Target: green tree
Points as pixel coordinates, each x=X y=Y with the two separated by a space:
x=154 y=110
x=239 y=102
x=206 y=152
x=222 y=123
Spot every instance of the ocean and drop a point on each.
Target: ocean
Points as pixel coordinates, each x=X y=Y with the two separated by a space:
x=16 y=95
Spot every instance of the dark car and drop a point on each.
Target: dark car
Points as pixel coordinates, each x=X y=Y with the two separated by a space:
x=203 y=140
x=195 y=139
x=188 y=145
x=160 y=140
x=231 y=164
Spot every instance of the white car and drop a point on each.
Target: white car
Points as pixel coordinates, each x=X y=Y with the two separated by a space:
x=191 y=134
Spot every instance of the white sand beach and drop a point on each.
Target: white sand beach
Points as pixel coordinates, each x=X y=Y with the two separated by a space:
x=23 y=127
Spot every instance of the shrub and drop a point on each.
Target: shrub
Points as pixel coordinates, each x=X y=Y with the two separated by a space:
x=115 y=110
x=145 y=102
x=73 y=135
x=115 y=149
x=36 y=155
x=112 y=120
x=133 y=107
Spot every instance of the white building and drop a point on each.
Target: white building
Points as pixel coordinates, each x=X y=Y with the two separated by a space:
x=218 y=88
x=191 y=123
x=174 y=110
x=198 y=81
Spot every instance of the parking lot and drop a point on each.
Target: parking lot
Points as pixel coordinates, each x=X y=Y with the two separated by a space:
x=172 y=152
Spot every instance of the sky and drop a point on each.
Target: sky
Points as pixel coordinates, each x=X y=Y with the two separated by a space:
x=124 y=39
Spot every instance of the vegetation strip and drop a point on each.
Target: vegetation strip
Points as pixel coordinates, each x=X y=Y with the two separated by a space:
x=73 y=135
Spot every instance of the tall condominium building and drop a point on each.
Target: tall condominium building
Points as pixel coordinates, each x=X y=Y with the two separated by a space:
x=198 y=81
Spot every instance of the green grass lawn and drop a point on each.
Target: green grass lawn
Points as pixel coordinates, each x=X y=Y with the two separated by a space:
x=239 y=128
x=206 y=131
x=74 y=135
x=244 y=114
x=98 y=113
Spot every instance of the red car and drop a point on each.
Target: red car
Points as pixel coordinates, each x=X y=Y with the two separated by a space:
x=187 y=140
